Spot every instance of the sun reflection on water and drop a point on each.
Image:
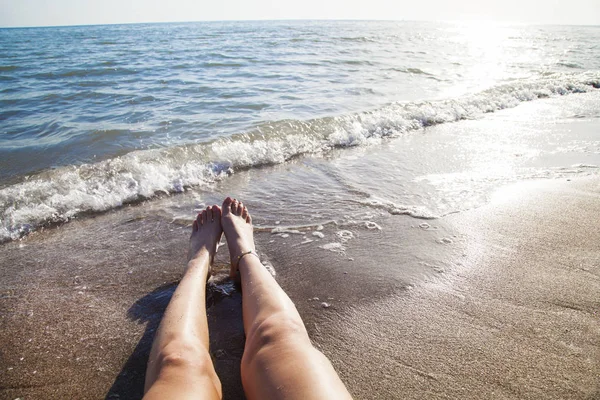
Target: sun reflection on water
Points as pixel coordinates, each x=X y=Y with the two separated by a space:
x=495 y=48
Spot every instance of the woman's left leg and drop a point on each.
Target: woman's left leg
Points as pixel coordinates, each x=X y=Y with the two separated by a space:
x=180 y=366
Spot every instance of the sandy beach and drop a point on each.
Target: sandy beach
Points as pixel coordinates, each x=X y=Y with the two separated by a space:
x=496 y=302
x=517 y=318
x=427 y=193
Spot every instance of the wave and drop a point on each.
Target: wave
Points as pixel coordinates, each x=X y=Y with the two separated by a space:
x=569 y=65
x=8 y=68
x=82 y=73
x=409 y=70
x=58 y=195
x=360 y=39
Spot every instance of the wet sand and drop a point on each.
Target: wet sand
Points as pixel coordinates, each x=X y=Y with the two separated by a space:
x=497 y=302
x=518 y=319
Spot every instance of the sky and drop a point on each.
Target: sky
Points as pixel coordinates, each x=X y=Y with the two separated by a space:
x=85 y=12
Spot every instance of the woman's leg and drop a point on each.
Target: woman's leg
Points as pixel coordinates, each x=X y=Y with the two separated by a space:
x=180 y=366
x=279 y=360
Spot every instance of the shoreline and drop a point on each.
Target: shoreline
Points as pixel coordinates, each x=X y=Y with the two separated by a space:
x=495 y=302
x=518 y=318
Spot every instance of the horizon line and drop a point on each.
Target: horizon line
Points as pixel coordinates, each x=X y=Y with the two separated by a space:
x=466 y=21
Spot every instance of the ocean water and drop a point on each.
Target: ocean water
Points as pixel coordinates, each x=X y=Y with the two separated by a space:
x=301 y=119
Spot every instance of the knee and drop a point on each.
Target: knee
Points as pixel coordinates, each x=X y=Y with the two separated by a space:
x=186 y=356
x=277 y=328
x=182 y=363
x=182 y=352
x=277 y=331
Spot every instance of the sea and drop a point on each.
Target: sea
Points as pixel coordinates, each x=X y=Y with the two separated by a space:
x=308 y=122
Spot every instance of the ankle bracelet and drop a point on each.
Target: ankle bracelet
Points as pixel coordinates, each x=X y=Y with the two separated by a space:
x=239 y=258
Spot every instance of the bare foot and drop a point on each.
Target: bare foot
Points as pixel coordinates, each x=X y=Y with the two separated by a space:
x=237 y=225
x=206 y=234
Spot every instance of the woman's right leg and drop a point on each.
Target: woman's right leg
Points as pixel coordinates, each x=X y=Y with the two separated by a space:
x=279 y=360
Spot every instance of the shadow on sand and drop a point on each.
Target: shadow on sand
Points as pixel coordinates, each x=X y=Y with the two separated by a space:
x=226 y=341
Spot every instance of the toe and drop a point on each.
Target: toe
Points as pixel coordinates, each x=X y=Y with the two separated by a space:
x=198 y=220
x=240 y=208
x=227 y=205
x=203 y=217
x=234 y=206
x=244 y=212
x=216 y=213
x=209 y=214
x=249 y=219
x=195 y=226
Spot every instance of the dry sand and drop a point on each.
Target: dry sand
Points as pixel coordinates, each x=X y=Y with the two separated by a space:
x=498 y=302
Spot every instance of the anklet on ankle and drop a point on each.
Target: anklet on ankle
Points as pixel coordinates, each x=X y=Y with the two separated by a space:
x=236 y=268
x=237 y=262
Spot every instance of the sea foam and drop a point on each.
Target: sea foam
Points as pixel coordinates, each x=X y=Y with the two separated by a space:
x=61 y=194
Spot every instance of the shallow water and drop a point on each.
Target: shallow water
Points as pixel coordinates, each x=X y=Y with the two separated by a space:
x=326 y=204
x=97 y=117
